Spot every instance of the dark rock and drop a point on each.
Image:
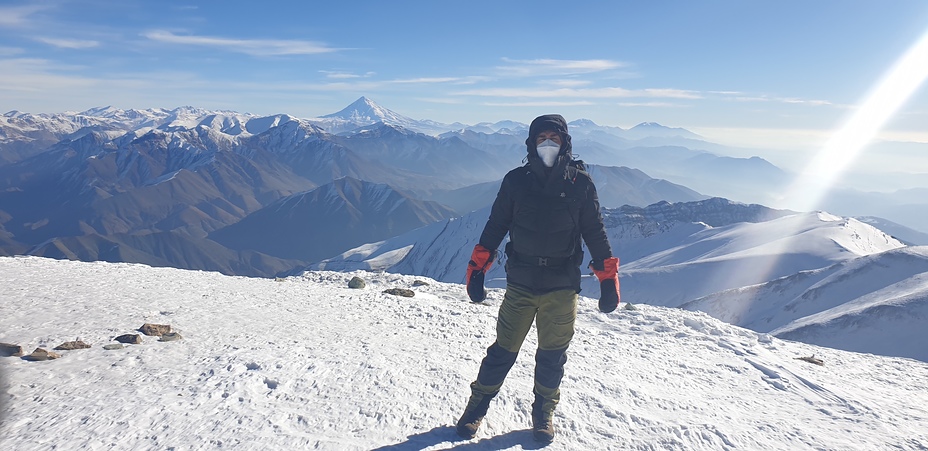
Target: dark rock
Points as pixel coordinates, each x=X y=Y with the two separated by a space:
x=10 y=350
x=72 y=345
x=629 y=306
x=113 y=346
x=812 y=359
x=356 y=282
x=170 y=336
x=132 y=339
x=155 y=330
x=420 y=283
x=41 y=354
x=400 y=292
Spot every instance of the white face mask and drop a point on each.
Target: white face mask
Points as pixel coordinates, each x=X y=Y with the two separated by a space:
x=548 y=151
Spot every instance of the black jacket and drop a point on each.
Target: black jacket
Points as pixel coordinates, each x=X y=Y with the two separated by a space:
x=546 y=215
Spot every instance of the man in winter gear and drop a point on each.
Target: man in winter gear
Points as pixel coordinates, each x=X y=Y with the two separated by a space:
x=546 y=207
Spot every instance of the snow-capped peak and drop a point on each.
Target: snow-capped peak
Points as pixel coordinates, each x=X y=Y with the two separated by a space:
x=366 y=110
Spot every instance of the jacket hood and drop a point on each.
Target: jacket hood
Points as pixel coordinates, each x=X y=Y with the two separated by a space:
x=555 y=123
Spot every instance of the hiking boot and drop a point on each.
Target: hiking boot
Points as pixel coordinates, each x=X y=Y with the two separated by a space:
x=543 y=419
x=543 y=428
x=476 y=409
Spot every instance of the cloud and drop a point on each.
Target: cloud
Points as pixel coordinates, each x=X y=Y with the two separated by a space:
x=18 y=16
x=568 y=83
x=10 y=51
x=743 y=97
x=69 y=43
x=345 y=75
x=441 y=100
x=547 y=67
x=427 y=80
x=551 y=103
x=253 y=47
x=652 y=104
x=33 y=75
x=591 y=93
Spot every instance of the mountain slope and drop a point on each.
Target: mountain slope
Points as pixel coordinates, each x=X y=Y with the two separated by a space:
x=306 y=363
x=165 y=249
x=441 y=250
x=887 y=292
x=697 y=263
x=670 y=253
x=330 y=219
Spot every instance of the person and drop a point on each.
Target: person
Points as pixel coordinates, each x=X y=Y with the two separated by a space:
x=546 y=207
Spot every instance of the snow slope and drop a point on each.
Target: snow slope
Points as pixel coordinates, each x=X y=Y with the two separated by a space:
x=306 y=363
x=877 y=303
x=665 y=260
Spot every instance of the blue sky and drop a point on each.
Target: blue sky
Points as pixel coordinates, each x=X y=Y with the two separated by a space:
x=778 y=74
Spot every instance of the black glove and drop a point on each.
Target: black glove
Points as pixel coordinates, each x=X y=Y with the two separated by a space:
x=475 y=290
x=480 y=262
x=608 y=297
x=607 y=271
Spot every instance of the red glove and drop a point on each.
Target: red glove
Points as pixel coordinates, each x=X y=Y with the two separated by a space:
x=607 y=271
x=480 y=262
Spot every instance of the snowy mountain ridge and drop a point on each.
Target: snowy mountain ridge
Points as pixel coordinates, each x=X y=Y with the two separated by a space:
x=679 y=254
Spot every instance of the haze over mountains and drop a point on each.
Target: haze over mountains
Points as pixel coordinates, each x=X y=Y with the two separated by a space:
x=153 y=186
x=367 y=188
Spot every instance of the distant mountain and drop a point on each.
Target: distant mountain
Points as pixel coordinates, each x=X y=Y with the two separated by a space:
x=618 y=186
x=615 y=186
x=337 y=216
x=653 y=129
x=185 y=180
x=364 y=112
x=449 y=161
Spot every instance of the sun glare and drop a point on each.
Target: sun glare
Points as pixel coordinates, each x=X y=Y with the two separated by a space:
x=805 y=193
x=845 y=145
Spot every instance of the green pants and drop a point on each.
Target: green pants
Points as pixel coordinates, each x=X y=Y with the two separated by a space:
x=554 y=314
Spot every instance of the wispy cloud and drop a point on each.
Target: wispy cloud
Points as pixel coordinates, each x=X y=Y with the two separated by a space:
x=591 y=93
x=652 y=104
x=10 y=51
x=551 y=103
x=254 y=47
x=339 y=75
x=744 y=97
x=69 y=43
x=18 y=16
x=548 y=67
x=569 y=83
x=426 y=80
x=441 y=100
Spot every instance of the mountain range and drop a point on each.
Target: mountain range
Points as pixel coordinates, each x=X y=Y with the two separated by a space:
x=158 y=186
x=367 y=188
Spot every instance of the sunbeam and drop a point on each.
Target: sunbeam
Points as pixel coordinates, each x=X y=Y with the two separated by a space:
x=896 y=87
x=898 y=84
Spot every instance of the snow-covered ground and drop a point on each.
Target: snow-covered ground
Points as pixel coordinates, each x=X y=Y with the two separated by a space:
x=307 y=363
